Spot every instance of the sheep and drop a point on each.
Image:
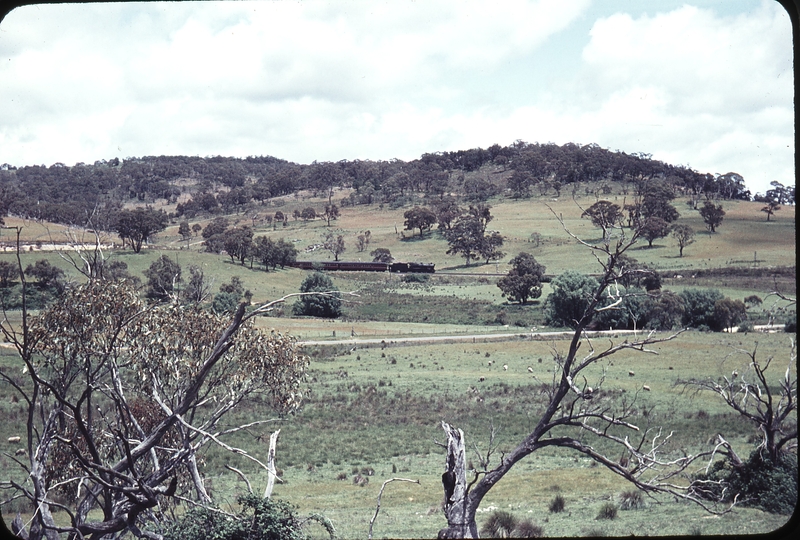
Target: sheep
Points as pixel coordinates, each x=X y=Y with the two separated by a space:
x=645 y=387
x=14 y=439
x=735 y=374
x=505 y=367
x=631 y=374
x=20 y=452
x=482 y=379
x=530 y=369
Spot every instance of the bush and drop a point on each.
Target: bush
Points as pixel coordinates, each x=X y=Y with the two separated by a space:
x=415 y=278
x=571 y=295
x=527 y=529
x=759 y=481
x=259 y=519
x=317 y=305
x=557 y=505
x=607 y=511
x=499 y=525
x=631 y=500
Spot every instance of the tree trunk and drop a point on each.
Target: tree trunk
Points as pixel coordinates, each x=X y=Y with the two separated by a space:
x=460 y=515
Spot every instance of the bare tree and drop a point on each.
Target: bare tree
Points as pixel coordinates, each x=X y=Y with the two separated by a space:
x=120 y=397
x=768 y=407
x=573 y=410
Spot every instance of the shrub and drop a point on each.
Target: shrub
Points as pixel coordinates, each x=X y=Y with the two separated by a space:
x=631 y=500
x=415 y=278
x=259 y=519
x=570 y=298
x=317 y=305
x=760 y=482
x=527 y=529
x=607 y=511
x=500 y=524
x=557 y=504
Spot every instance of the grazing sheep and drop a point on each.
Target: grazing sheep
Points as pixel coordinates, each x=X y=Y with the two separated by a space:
x=631 y=374
x=645 y=387
x=482 y=379
x=589 y=391
x=505 y=367
x=14 y=439
x=530 y=369
x=735 y=374
x=490 y=363
x=20 y=452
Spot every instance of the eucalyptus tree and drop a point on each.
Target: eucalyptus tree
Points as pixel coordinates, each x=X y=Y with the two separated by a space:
x=120 y=399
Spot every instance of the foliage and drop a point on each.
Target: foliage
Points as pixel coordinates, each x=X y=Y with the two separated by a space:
x=8 y=273
x=46 y=275
x=557 y=504
x=571 y=297
x=469 y=238
x=139 y=225
x=712 y=215
x=419 y=217
x=699 y=307
x=654 y=228
x=121 y=398
x=760 y=482
x=524 y=280
x=604 y=214
x=499 y=524
x=631 y=500
x=728 y=313
x=334 y=244
x=258 y=519
x=684 y=235
x=238 y=243
x=163 y=276
x=327 y=305
x=607 y=511
x=382 y=255
x=656 y=203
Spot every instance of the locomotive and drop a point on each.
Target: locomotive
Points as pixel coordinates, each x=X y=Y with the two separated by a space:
x=398 y=267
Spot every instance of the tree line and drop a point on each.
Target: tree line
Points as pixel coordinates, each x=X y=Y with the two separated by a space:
x=94 y=193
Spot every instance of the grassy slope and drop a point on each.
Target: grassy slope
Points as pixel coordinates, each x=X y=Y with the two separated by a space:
x=386 y=415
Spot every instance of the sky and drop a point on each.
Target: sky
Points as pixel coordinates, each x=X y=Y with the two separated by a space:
x=705 y=84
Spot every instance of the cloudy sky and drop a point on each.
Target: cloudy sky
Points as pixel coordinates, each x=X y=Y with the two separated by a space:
x=708 y=84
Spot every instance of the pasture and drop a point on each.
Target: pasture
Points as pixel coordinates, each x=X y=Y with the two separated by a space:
x=375 y=411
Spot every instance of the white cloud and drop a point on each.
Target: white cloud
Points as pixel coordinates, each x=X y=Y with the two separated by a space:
x=340 y=80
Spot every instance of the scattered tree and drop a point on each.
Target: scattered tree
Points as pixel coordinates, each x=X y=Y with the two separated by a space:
x=163 y=276
x=684 y=235
x=604 y=214
x=419 y=217
x=197 y=289
x=185 y=231
x=334 y=244
x=381 y=255
x=771 y=208
x=524 y=280
x=653 y=228
x=308 y=214
x=712 y=215
x=138 y=226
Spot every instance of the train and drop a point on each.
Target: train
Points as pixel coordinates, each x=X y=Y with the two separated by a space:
x=398 y=267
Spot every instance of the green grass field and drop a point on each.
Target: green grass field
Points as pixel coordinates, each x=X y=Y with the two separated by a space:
x=376 y=409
